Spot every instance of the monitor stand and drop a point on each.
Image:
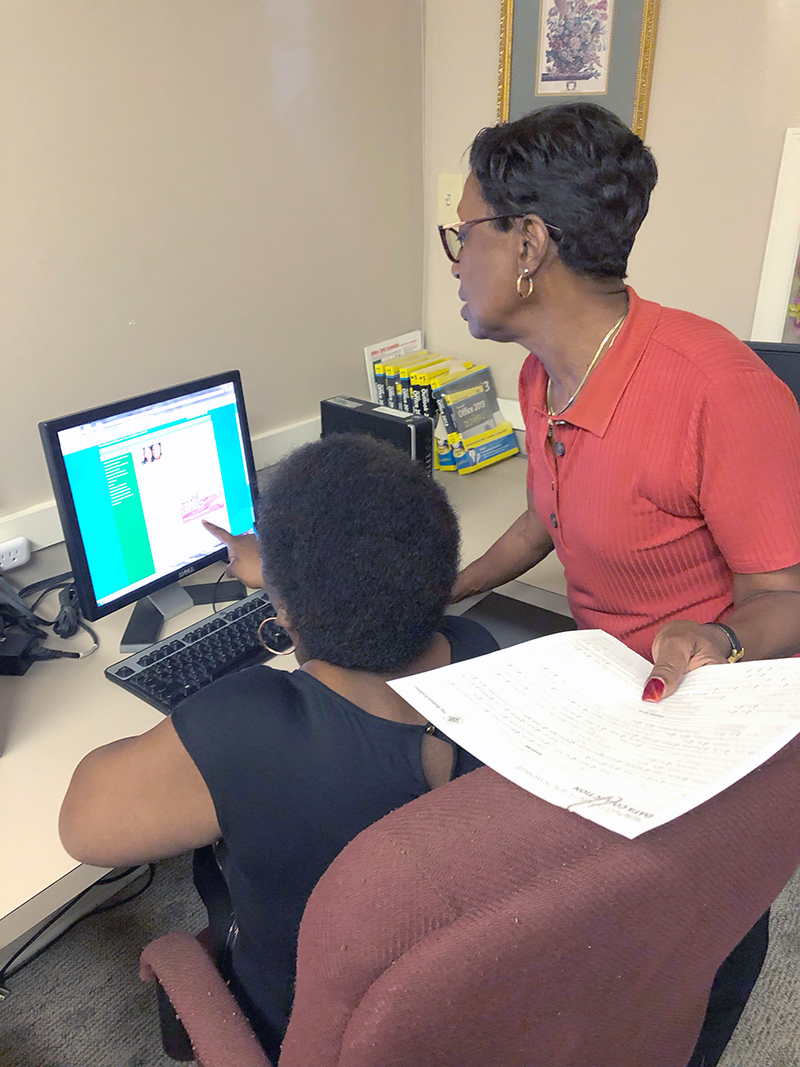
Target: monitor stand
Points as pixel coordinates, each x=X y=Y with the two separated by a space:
x=151 y=612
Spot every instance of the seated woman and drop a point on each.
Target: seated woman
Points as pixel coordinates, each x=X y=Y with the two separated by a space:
x=360 y=552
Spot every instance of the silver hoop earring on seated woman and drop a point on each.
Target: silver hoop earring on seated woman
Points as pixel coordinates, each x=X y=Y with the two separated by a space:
x=525 y=277
x=274 y=651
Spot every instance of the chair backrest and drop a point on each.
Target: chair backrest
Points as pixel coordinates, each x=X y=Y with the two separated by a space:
x=783 y=360
x=482 y=927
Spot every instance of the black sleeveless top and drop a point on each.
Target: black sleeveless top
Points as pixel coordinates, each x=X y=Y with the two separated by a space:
x=296 y=772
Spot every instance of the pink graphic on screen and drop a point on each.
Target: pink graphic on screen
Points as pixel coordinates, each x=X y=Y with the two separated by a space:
x=198 y=507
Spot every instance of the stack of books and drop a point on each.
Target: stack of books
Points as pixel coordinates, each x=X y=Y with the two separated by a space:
x=460 y=397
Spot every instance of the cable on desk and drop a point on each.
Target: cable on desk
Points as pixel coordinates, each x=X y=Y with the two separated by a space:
x=44 y=586
x=223 y=573
x=7 y=971
x=68 y=620
x=62 y=653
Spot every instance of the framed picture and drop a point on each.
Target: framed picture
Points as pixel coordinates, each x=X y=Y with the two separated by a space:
x=777 y=316
x=557 y=50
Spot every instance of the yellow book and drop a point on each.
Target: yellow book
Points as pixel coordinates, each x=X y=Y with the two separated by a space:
x=444 y=457
x=420 y=385
x=478 y=433
x=392 y=373
x=403 y=387
x=379 y=375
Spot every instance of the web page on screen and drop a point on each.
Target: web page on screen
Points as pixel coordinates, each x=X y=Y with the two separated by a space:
x=143 y=481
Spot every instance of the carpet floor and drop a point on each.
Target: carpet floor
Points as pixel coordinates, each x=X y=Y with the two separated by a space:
x=81 y=1003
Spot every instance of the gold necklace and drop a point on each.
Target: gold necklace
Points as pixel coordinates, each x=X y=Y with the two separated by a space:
x=605 y=344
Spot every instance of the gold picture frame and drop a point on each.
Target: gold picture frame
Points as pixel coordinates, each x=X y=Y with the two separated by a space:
x=623 y=74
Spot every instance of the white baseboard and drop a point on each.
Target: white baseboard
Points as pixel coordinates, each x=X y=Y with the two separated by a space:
x=41 y=525
x=273 y=445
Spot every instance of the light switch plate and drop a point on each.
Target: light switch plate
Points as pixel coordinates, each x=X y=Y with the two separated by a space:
x=448 y=194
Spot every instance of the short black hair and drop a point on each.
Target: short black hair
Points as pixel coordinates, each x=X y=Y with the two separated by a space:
x=579 y=168
x=362 y=547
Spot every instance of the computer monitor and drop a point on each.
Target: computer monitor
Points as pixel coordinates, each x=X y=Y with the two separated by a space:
x=133 y=481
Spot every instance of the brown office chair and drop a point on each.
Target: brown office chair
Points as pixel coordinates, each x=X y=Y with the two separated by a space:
x=482 y=927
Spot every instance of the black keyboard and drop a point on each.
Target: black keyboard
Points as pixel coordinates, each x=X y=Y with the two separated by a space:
x=171 y=670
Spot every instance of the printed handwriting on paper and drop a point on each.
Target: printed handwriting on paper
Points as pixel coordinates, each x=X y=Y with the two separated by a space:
x=562 y=716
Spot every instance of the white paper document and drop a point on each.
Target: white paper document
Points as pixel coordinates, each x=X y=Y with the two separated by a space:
x=403 y=345
x=563 y=717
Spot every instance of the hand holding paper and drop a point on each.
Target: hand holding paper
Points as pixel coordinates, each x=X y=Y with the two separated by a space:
x=562 y=716
x=680 y=647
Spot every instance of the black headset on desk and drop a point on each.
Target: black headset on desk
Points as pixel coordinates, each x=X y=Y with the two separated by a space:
x=21 y=630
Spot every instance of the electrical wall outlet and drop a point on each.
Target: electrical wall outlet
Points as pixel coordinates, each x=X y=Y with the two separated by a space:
x=14 y=553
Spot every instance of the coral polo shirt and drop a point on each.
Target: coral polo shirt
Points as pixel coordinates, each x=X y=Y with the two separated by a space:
x=677 y=465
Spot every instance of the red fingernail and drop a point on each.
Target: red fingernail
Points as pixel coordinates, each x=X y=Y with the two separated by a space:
x=654 y=690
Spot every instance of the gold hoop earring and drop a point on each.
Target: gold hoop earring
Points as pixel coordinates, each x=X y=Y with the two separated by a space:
x=274 y=651
x=525 y=277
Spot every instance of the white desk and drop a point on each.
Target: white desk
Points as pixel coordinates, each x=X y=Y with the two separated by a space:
x=49 y=719
x=62 y=709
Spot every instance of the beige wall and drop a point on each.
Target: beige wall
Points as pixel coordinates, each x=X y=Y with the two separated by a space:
x=190 y=185
x=461 y=54
x=726 y=85
x=187 y=185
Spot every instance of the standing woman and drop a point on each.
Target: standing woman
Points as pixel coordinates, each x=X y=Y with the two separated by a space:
x=663 y=456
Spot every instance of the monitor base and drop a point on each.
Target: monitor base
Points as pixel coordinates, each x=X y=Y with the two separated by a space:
x=151 y=612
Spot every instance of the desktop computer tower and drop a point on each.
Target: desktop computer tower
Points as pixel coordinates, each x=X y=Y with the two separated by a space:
x=411 y=433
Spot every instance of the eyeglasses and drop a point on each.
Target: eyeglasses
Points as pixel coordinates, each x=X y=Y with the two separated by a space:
x=453 y=237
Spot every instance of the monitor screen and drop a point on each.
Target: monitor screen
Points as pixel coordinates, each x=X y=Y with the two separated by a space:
x=134 y=480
